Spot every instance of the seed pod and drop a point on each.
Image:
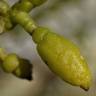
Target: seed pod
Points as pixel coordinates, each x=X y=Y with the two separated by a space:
x=10 y=63
x=62 y=57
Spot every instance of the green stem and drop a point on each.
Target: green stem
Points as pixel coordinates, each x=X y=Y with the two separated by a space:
x=24 y=20
x=23 y=5
x=11 y=63
x=21 y=17
x=27 y=5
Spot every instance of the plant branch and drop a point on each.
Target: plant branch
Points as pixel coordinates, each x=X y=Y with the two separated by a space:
x=24 y=20
x=11 y=63
x=27 y=5
x=21 y=5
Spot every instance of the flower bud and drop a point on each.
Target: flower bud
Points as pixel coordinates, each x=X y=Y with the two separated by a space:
x=62 y=57
x=10 y=63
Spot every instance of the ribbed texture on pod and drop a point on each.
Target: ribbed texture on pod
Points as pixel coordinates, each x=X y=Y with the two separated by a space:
x=23 y=5
x=39 y=33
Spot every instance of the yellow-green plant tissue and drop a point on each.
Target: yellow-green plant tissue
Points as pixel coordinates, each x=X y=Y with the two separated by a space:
x=62 y=57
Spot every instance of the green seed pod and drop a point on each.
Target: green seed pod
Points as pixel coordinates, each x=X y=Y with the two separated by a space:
x=62 y=57
x=10 y=63
x=24 y=70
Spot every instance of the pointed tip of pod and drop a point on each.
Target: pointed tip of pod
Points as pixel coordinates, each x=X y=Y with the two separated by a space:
x=84 y=88
x=24 y=70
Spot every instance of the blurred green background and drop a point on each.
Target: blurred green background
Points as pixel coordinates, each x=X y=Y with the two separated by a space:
x=74 y=19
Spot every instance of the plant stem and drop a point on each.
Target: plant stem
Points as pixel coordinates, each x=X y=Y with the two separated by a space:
x=20 y=16
x=11 y=63
x=24 y=20
x=27 y=5
x=23 y=5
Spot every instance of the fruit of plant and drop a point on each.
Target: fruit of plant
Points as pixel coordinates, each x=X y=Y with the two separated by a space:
x=60 y=54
